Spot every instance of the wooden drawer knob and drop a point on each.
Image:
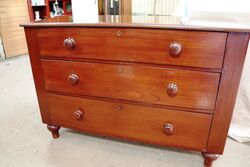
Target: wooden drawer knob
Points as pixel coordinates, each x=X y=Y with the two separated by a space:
x=175 y=49
x=73 y=79
x=168 y=129
x=69 y=43
x=78 y=114
x=172 y=89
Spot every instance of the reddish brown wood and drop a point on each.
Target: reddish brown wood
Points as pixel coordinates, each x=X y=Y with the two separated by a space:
x=31 y=12
x=209 y=158
x=121 y=81
x=148 y=22
x=199 y=49
x=45 y=10
x=133 y=102
x=65 y=2
x=48 y=10
x=54 y=130
x=134 y=83
x=172 y=89
x=69 y=43
x=37 y=74
x=236 y=48
x=168 y=129
x=175 y=49
x=73 y=79
x=132 y=122
x=78 y=114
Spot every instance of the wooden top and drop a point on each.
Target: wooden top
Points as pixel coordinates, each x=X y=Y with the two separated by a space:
x=163 y=22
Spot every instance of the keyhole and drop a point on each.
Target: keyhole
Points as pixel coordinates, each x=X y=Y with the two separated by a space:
x=118 y=33
x=119 y=107
x=119 y=69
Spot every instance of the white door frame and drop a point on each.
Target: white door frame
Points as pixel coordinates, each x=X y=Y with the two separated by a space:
x=2 y=54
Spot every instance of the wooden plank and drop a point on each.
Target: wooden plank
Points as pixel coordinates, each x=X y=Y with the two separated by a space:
x=132 y=122
x=233 y=64
x=37 y=74
x=14 y=12
x=126 y=7
x=148 y=83
x=139 y=45
x=100 y=7
x=145 y=22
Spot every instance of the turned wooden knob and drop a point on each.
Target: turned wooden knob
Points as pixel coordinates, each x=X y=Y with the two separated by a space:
x=73 y=79
x=175 y=48
x=69 y=43
x=78 y=114
x=172 y=89
x=168 y=129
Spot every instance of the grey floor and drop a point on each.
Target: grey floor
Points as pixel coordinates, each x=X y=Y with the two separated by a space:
x=25 y=141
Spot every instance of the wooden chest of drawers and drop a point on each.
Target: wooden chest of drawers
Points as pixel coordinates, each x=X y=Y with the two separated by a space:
x=165 y=85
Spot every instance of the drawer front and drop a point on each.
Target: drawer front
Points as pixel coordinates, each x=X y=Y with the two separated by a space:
x=162 y=86
x=146 y=124
x=198 y=49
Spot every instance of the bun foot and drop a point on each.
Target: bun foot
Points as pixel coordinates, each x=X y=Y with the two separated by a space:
x=209 y=158
x=54 y=130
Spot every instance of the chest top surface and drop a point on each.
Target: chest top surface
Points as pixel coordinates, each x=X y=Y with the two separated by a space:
x=160 y=22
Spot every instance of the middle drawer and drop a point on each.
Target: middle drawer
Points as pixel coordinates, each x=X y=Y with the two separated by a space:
x=155 y=85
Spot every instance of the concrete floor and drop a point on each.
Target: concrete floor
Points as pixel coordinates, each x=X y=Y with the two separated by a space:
x=25 y=141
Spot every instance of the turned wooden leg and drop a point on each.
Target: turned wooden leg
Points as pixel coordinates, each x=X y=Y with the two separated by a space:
x=54 y=130
x=209 y=158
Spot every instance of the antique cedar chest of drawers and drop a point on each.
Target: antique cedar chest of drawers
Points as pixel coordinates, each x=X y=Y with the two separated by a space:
x=170 y=85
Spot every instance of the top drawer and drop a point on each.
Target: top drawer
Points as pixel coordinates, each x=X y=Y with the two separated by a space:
x=197 y=49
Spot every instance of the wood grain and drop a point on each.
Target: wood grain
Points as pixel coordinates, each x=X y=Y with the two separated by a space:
x=119 y=80
x=13 y=13
x=37 y=74
x=149 y=22
x=134 y=82
x=126 y=6
x=199 y=49
x=136 y=123
x=233 y=64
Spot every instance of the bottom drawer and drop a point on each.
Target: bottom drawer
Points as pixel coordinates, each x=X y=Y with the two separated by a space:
x=139 y=123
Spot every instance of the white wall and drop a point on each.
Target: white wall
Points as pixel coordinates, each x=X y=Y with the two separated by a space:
x=2 y=55
x=158 y=7
x=231 y=6
x=165 y=7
